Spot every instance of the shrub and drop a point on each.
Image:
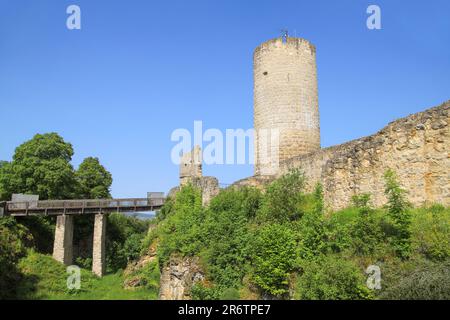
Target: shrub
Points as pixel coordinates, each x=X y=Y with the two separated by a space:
x=201 y=292
x=339 y=226
x=366 y=232
x=283 y=198
x=123 y=240
x=227 y=235
x=132 y=246
x=181 y=230
x=312 y=229
x=273 y=259
x=13 y=241
x=431 y=232
x=331 y=278
x=429 y=281
x=398 y=210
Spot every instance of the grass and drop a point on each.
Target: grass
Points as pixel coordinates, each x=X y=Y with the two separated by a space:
x=45 y=279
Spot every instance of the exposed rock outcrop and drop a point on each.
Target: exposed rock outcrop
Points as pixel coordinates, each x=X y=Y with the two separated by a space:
x=178 y=277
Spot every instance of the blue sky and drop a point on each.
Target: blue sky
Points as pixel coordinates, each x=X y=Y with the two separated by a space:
x=137 y=70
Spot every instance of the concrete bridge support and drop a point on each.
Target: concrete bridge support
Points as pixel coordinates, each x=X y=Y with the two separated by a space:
x=63 y=245
x=98 y=254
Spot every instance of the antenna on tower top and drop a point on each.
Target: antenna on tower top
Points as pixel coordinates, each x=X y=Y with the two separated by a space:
x=284 y=34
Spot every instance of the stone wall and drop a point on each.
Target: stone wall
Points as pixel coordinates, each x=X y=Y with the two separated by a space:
x=190 y=165
x=416 y=147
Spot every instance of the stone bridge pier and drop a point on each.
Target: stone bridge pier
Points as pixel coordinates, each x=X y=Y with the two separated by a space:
x=63 y=245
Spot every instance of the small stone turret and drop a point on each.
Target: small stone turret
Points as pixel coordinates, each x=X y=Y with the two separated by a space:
x=191 y=173
x=191 y=165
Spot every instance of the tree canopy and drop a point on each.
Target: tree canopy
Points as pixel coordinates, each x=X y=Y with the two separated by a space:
x=93 y=179
x=42 y=166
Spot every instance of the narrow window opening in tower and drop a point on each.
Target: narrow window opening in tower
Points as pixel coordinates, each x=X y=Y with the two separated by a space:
x=265 y=73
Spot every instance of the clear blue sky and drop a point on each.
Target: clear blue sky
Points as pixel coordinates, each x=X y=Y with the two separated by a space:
x=137 y=70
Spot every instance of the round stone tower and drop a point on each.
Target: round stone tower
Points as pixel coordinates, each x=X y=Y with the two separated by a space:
x=286 y=108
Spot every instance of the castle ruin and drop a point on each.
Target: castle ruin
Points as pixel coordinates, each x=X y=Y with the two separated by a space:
x=286 y=121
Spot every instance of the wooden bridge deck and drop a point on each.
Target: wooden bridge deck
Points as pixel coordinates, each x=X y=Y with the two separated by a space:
x=78 y=207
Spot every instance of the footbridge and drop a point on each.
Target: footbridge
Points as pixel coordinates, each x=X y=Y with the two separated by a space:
x=65 y=212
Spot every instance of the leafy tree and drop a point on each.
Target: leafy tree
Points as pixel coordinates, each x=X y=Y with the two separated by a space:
x=2 y=163
x=331 y=278
x=274 y=255
x=312 y=229
x=398 y=210
x=181 y=230
x=40 y=166
x=283 y=198
x=227 y=235
x=94 y=181
x=123 y=240
x=14 y=238
x=366 y=232
x=430 y=229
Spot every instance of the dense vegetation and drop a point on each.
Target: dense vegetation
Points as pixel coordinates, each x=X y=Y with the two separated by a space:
x=283 y=243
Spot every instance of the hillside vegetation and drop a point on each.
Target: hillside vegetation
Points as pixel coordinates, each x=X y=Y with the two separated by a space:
x=277 y=243
x=284 y=244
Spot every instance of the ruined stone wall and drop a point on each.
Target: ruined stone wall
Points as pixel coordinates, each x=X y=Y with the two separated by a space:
x=285 y=102
x=191 y=165
x=417 y=148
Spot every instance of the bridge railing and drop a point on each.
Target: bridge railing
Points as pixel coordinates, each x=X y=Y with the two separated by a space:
x=87 y=204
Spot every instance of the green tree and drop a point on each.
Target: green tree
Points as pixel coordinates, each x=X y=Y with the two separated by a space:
x=13 y=241
x=40 y=166
x=366 y=232
x=312 y=229
x=283 y=198
x=331 y=278
x=94 y=181
x=398 y=210
x=274 y=256
x=2 y=163
x=227 y=235
x=181 y=230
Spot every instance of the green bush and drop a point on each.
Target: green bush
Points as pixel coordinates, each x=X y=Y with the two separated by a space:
x=42 y=229
x=339 y=227
x=283 y=199
x=181 y=231
x=366 y=232
x=399 y=213
x=123 y=240
x=431 y=232
x=421 y=281
x=227 y=235
x=14 y=238
x=200 y=292
x=312 y=229
x=273 y=259
x=331 y=278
